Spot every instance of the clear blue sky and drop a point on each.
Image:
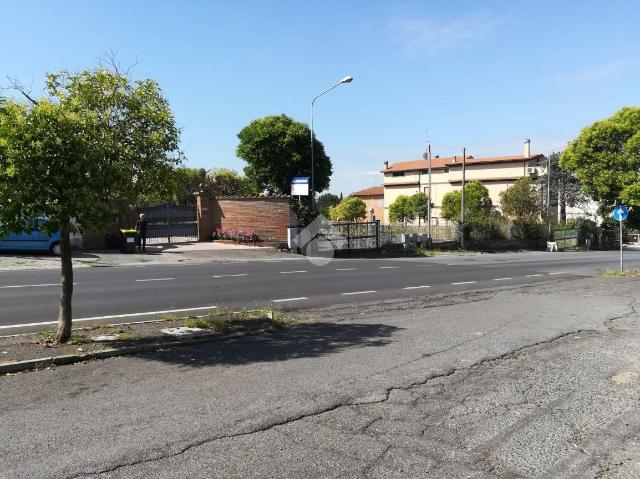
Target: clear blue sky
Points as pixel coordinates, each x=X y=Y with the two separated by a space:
x=484 y=75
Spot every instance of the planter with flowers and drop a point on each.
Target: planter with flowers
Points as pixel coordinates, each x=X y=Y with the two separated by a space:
x=233 y=235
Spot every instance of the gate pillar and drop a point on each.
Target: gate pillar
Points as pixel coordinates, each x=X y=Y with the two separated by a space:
x=204 y=210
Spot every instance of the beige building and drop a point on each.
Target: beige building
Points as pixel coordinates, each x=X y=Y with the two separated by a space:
x=373 y=197
x=496 y=173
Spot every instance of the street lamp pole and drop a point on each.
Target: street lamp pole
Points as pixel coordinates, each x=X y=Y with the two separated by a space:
x=313 y=184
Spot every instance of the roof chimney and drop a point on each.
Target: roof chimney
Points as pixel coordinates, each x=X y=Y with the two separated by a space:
x=386 y=165
x=455 y=158
x=527 y=148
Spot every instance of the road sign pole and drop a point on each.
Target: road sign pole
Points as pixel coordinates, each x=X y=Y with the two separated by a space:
x=621 y=257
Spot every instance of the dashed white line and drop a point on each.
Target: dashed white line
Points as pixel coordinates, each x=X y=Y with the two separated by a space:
x=358 y=292
x=416 y=287
x=113 y=316
x=389 y=267
x=292 y=272
x=464 y=282
x=501 y=279
x=533 y=275
x=31 y=285
x=301 y=298
x=154 y=279
x=559 y=272
x=345 y=269
x=229 y=275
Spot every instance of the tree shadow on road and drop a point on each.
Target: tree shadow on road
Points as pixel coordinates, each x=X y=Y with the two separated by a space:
x=304 y=341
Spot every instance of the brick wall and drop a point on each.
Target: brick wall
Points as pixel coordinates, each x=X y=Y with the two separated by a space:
x=268 y=216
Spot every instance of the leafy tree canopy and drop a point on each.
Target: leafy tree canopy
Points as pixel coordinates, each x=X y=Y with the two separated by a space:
x=277 y=148
x=349 y=209
x=606 y=158
x=402 y=210
x=325 y=202
x=520 y=201
x=477 y=204
x=227 y=182
x=94 y=137
x=418 y=203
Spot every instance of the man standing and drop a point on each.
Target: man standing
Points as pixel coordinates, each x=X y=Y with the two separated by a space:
x=141 y=233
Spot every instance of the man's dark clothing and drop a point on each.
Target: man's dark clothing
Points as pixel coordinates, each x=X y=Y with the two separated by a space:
x=141 y=234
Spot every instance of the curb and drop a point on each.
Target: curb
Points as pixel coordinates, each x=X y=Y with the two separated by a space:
x=39 y=363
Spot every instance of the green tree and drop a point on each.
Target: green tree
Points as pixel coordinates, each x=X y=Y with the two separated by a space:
x=564 y=186
x=96 y=136
x=325 y=202
x=178 y=187
x=520 y=203
x=402 y=210
x=227 y=182
x=606 y=158
x=418 y=202
x=277 y=148
x=349 y=209
x=477 y=204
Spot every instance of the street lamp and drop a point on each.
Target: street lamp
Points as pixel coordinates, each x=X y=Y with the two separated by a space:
x=347 y=79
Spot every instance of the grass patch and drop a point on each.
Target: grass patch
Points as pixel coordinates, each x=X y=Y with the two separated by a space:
x=226 y=322
x=49 y=334
x=620 y=274
x=100 y=325
x=126 y=336
x=77 y=340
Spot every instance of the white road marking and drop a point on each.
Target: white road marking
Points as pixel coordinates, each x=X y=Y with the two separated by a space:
x=229 y=275
x=113 y=316
x=357 y=292
x=389 y=267
x=416 y=287
x=301 y=298
x=559 y=272
x=291 y=272
x=345 y=269
x=533 y=275
x=501 y=279
x=465 y=282
x=32 y=285
x=154 y=279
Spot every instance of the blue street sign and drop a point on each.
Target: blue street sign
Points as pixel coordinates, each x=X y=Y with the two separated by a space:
x=300 y=180
x=620 y=213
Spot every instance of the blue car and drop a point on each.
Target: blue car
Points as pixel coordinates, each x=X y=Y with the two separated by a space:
x=33 y=240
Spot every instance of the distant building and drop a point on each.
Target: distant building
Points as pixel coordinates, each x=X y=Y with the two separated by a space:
x=373 y=197
x=496 y=173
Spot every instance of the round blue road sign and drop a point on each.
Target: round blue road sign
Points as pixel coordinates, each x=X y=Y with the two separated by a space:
x=620 y=213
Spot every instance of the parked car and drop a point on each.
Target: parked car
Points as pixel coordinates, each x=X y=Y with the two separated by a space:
x=36 y=240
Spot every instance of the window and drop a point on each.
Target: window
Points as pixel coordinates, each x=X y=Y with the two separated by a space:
x=398 y=173
x=446 y=170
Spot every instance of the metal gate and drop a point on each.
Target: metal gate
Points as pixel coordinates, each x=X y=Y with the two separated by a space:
x=170 y=223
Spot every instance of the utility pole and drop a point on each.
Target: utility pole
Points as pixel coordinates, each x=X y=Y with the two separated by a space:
x=549 y=198
x=464 y=162
x=429 y=197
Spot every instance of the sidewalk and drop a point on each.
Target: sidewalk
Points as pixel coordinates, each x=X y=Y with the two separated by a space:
x=30 y=351
x=161 y=253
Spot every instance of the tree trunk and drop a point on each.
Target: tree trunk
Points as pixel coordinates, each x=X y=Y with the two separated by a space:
x=64 y=315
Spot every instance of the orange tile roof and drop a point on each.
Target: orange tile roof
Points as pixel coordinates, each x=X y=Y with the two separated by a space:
x=443 y=162
x=371 y=191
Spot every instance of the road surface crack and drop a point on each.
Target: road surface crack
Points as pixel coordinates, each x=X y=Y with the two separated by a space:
x=346 y=403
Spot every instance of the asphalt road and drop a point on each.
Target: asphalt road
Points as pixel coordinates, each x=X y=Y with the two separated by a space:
x=533 y=381
x=29 y=299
